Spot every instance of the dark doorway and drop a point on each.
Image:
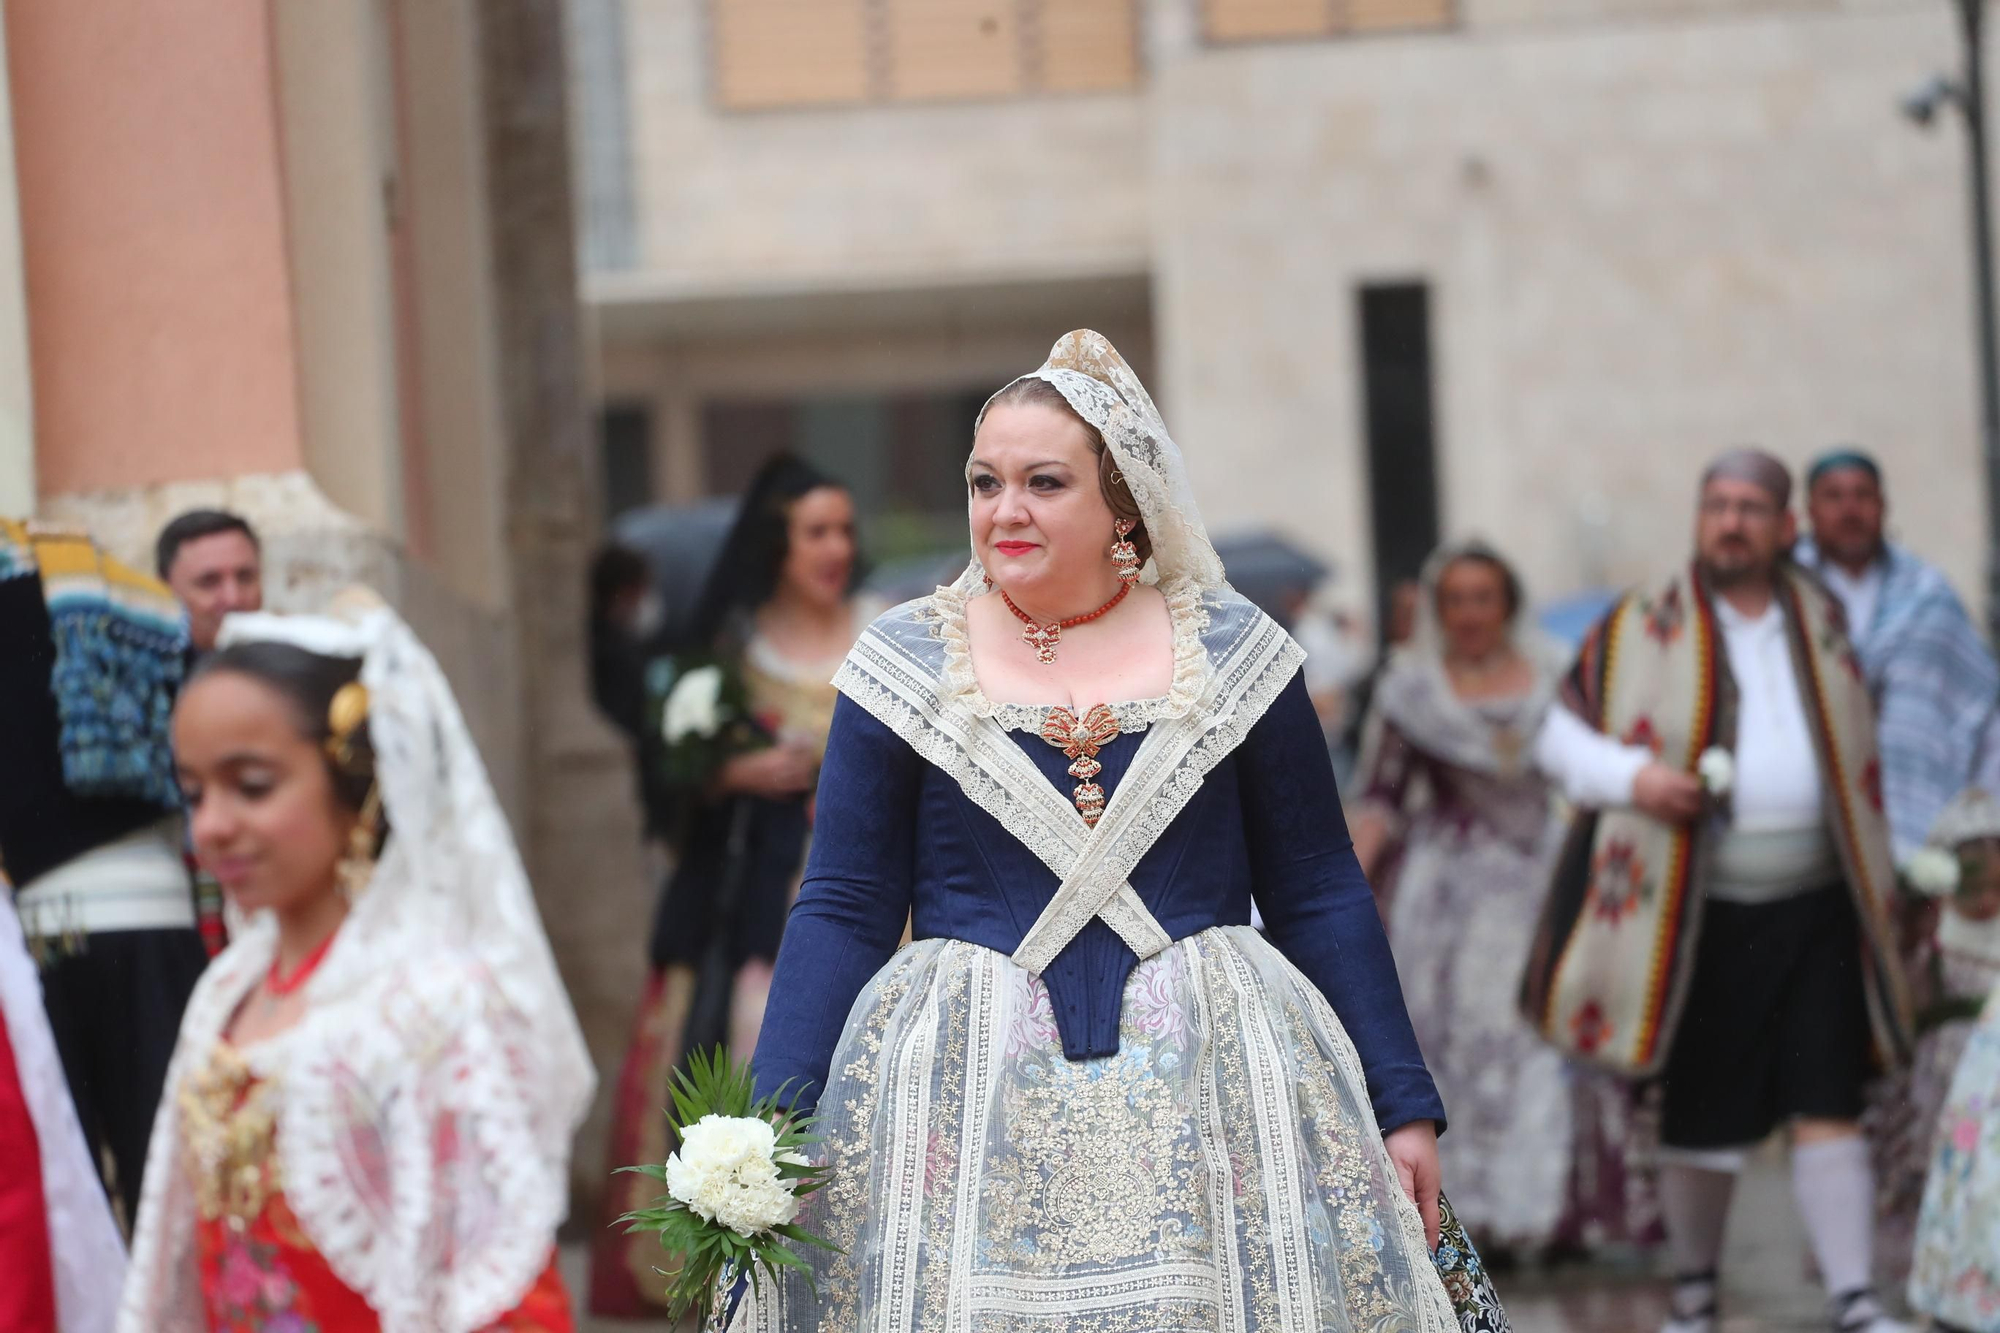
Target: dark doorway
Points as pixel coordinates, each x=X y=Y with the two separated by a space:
x=1401 y=429
x=625 y=434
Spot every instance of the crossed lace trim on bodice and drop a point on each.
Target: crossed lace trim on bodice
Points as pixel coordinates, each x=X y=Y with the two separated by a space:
x=912 y=672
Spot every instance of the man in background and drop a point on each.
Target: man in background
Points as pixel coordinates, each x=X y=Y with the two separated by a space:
x=92 y=655
x=1729 y=933
x=1932 y=677
x=215 y=565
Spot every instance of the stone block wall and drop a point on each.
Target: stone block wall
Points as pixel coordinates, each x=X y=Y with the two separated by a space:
x=1644 y=243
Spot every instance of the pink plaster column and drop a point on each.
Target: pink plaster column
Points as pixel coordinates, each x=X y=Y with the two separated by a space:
x=153 y=235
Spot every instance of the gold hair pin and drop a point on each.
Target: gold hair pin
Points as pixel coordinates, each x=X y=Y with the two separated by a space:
x=344 y=717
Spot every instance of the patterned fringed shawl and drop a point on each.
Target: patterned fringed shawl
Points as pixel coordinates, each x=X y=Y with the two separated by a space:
x=121 y=652
x=1611 y=963
x=1935 y=687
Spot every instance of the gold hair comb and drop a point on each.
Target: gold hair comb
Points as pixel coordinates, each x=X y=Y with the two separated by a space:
x=344 y=717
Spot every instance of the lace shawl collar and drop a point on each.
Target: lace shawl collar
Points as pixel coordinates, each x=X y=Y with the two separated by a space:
x=1489 y=736
x=438 y=1042
x=947 y=611
x=912 y=671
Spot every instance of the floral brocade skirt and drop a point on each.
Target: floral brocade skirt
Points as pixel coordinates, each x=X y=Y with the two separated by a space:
x=1956 y=1275
x=1223 y=1173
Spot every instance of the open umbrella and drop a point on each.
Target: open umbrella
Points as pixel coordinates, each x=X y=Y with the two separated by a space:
x=1570 y=618
x=1269 y=570
x=680 y=544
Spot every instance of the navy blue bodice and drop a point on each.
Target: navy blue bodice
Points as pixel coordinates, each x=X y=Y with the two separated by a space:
x=895 y=837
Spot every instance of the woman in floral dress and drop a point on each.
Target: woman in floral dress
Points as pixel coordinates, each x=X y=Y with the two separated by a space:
x=1456 y=830
x=1953 y=968
x=1955 y=1274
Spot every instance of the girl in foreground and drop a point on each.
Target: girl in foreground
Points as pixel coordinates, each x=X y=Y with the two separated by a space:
x=368 y=1116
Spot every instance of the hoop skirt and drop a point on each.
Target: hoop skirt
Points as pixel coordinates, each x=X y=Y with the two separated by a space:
x=1222 y=1171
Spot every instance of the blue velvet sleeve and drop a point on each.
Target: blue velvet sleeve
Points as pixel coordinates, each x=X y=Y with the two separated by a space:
x=1317 y=906
x=852 y=905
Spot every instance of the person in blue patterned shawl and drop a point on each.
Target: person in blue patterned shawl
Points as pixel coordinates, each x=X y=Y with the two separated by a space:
x=92 y=655
x=1934 y=680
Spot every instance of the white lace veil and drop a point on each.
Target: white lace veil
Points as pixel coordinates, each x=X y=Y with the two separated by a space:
x=438 y=1006
x=1416 y=695
x=1427 y=638
x=1094 y=379
x=450 y=871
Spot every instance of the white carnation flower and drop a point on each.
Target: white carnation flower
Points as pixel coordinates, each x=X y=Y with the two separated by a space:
x=694 y=708
x=726 y=1171
x=1933 y=872
x=1717 y=770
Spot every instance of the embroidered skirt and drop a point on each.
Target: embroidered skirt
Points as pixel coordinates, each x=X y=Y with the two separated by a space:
x=1956 y=1276
x=1222 y=1172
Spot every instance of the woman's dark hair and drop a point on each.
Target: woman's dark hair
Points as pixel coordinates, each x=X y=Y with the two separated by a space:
x=307 y=681
x=753 y=556
x=615 y=570
x=1031 y=390
x=1478 y=553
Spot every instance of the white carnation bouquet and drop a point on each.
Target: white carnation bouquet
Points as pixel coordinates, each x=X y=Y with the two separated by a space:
x=1933 y=872
x=733 y=1188
x=704 y=717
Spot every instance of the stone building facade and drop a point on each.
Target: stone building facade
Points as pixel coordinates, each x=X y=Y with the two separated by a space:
x=1629 y=233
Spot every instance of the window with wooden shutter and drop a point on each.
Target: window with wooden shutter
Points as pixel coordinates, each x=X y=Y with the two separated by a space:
x=1263 y=20
x=795 y=53
x=790 y=52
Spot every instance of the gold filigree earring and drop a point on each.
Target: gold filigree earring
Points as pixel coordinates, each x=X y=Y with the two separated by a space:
x=357 y=865
x=1123 y=553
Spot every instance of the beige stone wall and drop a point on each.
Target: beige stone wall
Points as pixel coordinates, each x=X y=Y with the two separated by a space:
x=1646 y=242
x=334 y=79
x=764 y=201
x=1652 y=228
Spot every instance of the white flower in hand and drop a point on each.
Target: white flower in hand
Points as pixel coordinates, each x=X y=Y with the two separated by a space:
x=1717 y=770
x=1933 y=872
x=695 y=706
x=727 y=1172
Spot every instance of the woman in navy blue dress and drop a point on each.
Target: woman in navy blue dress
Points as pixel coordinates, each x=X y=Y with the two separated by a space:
x=1090 y=1096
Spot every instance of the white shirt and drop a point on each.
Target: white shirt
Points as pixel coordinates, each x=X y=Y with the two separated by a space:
x=1859 y=595
x=1778 y=783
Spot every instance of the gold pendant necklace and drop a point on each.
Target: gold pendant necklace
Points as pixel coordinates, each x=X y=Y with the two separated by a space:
x=1080 y=741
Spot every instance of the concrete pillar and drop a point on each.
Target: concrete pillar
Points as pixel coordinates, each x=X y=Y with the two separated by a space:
x=17 y=416
x=581 y=834
x=159 y=308
x=335 y=94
